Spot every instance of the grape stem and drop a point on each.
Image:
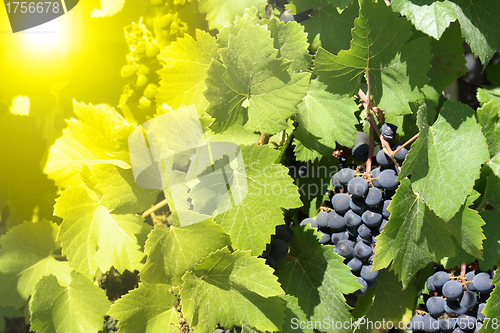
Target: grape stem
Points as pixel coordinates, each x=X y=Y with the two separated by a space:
x=386 y=146
x=370 y=151
x=463 y=269
x=406 y=143
x=264 y=139
x=159 y=205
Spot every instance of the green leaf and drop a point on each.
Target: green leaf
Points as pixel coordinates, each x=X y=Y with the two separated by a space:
x=492 y=242
x=396 y=69
x=317 y=277
x=415 y=236
x=26 y=255
x=270 y=189
x=293 y=314
x=341 y=4
x=235 y=134
x=291 y=42
x=150 y=308
x=493 y=74
x=488 y=116
x=78 y=307
x=99 y=135
x=485 y=94
x=391 y=302
x=93 y=238
x=117 y=189
x=477 y=19
x=441 y=182
x=447 y=62
x=324 y=119
x=221 y=13
x=186 y=65
x=174 y=251
x=244 y=290
x=334 y=28
x=264 y=89
x=8 y=312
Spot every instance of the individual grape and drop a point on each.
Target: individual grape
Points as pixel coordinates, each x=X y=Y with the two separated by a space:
x=381 y=227
x=439 y=279
x=141 y=80
x=453 y=306
x=345 y=175
x=447 y=324
x=371 y=218
x=452 y=289
x=345 y=248
x=357 y=187
x=362 y=251
x=166 y=20
x=385 y=213
x=279 y=249
x=127 y=71
x=374 y=174
x=373 y=197
x=388 y=179
x=430 y=324
x=430 y=286
x=458 y=330
x=325 y=238
x=358 y=205
x=341 y=202
x=336 y=183
x=416 y=323
x=270 y=261
x=401 y=155
x=383 y=160
x=364 y=287
x=482 y=282
x=352 y=220
x=336 y=222
x=152 y=50
x=388 y=131
x=371 y=284
x=466 y=322
x=310 y=221
x=322 y=219
x=480 y=309
x=468 y=300
x=150 y=91
x=367 y=274
x=360 y=151
x=355 y=264
x=286 y=16
x=435 y=306
x=338 y=236
x=364 y=232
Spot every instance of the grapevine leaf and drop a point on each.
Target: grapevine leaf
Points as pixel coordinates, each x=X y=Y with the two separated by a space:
x=324 y=119
x=172 y=252
x=93 y=238
x=488 y=116
x=485 y=94
x=492 y=242
x=266 y=87
x=334 y=28
x=244 y=289
x=26 y=255
x=108 y=8
x=291 y=42
x=293 y=314
x=78 y=307
x=391 y=302
x=431 y=161
x=236 y=134
x=415 y=236
x=447 y=62
x=99 y=135
x=341 y=4
x=317 y=277
x=221 y=13
x=150 y=308
x=8 y=312
x=186 y=64
x=492 y=309
x=477 y=19
x=252 y=222
x=396 y=69
x=117 y=189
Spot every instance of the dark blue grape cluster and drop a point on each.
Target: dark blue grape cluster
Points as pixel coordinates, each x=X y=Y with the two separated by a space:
x=454 y=304
x=278 y=248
